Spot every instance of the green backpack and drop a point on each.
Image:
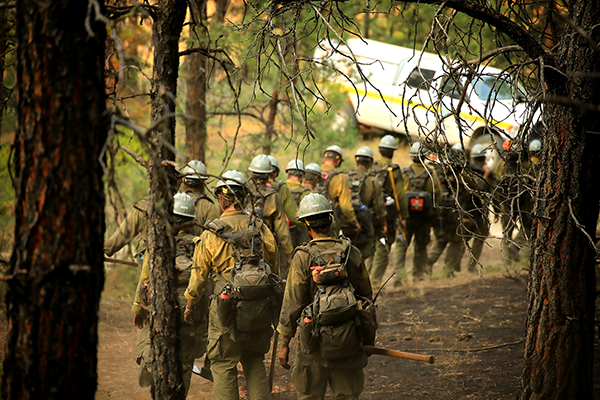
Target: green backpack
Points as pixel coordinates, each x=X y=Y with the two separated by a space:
x=251 y=299
x=338 y=321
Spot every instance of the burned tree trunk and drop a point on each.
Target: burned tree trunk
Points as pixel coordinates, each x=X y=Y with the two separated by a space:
x=560 y=326
x=195 y=106
x=166 y=316
x=56 y=267
x=195 y=102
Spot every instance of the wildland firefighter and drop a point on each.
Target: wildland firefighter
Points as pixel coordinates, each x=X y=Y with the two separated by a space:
x=295 y=174
x=449 y=167
x=335 y=183
x=514 y=196
x=367 y=201
x=193 y=336
x=266 y=203
x=312 y=178
x=288 y=200
x=391 y=180
x=136 y=223
x=480 y=224
x=423 y=195
x=327 y=302
x=239 y=254
x=194 y=184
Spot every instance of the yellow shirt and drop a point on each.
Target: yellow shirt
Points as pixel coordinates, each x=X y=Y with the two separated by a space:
x=215 y=256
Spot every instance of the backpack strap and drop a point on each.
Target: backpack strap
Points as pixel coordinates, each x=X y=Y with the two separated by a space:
x=311 y=249
x=328 y=176
x=276 y=185
x=242 y=241
x=419 y=182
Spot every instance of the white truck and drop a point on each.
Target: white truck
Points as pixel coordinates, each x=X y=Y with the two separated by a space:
x=409 y=82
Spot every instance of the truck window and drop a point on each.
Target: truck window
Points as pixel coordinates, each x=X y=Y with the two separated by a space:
x=496 y=88
x=420 y=78
x=451 y=88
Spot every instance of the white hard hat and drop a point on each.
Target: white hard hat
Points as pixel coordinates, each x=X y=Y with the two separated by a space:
x=274 y=162
x=184 y=205
x=295 y=164
x=314 y=204
x=364 y=151
x=232 y=178
x=313 y=168
x=388 y=142
x=261 y=164
x=334 y=149
x=417 y=150
x=195 y=169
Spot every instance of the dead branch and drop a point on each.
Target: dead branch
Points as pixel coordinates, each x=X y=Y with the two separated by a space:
x=580 y=226
x=494 y=53
x=137 y=158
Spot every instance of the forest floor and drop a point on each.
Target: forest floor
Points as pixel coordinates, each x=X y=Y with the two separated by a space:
x=473 y=325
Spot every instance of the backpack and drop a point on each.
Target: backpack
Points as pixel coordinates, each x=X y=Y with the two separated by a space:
x=338 y=321
x=365 y=239
x=251 y=299
x=297 y=193
x=384 y=178
x=420 y=202
x=185 y=244
x=259 y=196
x=323 y=189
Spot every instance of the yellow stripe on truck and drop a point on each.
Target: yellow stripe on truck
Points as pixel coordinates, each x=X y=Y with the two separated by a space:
x=374 y=94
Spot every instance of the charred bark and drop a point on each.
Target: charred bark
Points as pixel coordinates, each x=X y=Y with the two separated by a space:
x=560 y=326
x=195 y=103
x=166 y=314
x=56 y=267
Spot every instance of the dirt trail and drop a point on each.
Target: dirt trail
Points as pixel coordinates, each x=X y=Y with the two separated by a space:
x=474 y=327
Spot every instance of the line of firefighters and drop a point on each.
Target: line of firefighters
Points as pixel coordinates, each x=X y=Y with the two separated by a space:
x=232 y=256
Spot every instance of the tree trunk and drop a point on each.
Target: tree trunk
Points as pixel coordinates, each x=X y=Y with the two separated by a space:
x=4 y=28
x=270 y=128
x=166 y=314
x=195 y=102
x=560 y=327
x=56 y=266
x=195 y=105
x=221 y=7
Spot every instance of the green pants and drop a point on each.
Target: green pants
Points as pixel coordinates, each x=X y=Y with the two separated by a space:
x=377 y=264
x=447 y=238
x=224 y=355
x=193 y=345
x=419 y=230
x=311 y=378
x=479 y=229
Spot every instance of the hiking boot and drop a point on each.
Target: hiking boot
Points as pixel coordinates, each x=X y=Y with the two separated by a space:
x=145 y=377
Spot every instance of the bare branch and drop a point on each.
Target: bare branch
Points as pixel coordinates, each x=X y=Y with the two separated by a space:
x=580 y=226
x=494 y=53
x=492 y=17
x=137 y=158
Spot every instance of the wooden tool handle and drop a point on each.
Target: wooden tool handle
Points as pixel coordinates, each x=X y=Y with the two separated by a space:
x=116 y=261
x=398 y=354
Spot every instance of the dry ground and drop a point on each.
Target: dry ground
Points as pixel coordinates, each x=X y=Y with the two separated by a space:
x=473 y=325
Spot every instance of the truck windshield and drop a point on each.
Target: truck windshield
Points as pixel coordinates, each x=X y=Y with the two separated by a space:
x=487 y=87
